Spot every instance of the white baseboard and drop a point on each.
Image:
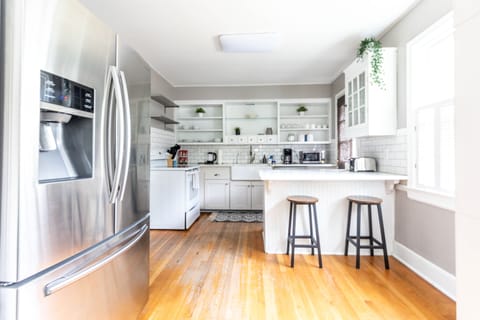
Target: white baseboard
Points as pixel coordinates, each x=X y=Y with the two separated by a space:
x=436 y=276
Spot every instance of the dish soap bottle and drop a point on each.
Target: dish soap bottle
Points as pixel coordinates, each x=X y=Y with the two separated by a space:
x=264 y=159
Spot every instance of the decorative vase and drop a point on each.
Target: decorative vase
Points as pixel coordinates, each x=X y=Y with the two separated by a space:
x=200 y=114
x=301 y=113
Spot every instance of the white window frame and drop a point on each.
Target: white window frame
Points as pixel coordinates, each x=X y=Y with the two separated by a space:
x=414 y=190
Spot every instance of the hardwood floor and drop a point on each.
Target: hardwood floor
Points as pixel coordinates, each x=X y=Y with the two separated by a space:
x=218 y=270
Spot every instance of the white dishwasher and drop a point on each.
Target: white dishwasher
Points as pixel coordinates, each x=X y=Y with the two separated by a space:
x=174 y=197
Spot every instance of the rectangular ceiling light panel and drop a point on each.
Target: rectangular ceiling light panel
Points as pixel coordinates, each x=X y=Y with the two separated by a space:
x=250 y=42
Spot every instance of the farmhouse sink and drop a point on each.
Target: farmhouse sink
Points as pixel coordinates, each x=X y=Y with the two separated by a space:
x=247 y=171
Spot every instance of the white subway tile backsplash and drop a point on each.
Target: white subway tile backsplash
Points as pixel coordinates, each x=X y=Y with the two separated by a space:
x=390 y=152
x=198 y=154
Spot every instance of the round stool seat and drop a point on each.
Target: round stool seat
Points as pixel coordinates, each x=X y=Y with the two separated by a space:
x=365 y=199
x=302 y=199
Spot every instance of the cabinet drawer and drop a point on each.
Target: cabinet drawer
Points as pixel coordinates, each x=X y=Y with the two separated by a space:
x=220 y=173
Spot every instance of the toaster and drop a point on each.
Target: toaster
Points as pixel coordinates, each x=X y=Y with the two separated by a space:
x=362 y=164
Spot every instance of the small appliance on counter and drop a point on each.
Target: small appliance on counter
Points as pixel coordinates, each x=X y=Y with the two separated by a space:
x=287 y=156
x=182 y=157
x=361 y=164
x=211 y=158
x=323 y=156
x=313 y=157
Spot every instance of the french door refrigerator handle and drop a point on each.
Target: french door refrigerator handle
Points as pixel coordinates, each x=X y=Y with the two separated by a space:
x=68 y=279
x=119 y=136
x=128 y=137
x=107 y=151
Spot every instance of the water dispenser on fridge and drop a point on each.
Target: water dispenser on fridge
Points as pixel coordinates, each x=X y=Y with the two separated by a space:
x=66 y=129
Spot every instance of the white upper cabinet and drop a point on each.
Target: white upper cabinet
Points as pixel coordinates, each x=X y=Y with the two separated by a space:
x=200 y=127
x=371 y=108
x=310 y=126
x=254 y=122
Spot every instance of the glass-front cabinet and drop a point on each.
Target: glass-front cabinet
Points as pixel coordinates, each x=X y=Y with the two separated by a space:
x=371 y=108
x=356 y=94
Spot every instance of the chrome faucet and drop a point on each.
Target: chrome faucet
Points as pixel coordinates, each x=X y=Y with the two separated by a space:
x=252 y=155
x=236 y=157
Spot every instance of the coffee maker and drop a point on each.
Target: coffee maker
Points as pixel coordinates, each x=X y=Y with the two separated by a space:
x=287 y=156
x=211 y=158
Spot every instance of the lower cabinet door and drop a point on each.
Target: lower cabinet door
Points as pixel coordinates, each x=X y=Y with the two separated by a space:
x=257 y=195
x=217 y=194
x=240 y=195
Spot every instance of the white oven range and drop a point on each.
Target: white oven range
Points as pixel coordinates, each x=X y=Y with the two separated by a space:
x=174 y=197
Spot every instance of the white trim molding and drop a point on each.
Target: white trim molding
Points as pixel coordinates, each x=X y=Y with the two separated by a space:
x=436 y=199
x=430 y=272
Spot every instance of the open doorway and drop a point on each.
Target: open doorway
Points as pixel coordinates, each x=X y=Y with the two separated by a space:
x=344 y=145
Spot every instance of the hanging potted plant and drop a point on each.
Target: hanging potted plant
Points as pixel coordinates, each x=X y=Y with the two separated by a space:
x=301 y=110
x=373 y=48
x=200 y=112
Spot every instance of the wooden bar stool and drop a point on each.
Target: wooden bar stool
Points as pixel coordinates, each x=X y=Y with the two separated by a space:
x=314 y=241
x=355 y=239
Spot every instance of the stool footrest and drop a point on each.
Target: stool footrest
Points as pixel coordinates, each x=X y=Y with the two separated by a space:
x=306 y=245
x=300 y=237
x=353 y=240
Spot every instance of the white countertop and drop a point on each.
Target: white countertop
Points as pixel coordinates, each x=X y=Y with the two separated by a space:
x=163 y=168
x=326 y=175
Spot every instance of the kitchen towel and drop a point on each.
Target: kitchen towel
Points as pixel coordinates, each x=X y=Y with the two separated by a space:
x=196 y=181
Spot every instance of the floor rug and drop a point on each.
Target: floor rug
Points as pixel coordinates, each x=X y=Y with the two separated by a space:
x=237 y=216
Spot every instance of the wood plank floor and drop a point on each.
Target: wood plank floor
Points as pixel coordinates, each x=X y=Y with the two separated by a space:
x=219 y=271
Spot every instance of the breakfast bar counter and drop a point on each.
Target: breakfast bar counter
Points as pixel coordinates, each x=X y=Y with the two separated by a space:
x=331 y=187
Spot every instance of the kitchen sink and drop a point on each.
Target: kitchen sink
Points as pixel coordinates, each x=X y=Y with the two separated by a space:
x=247 y=171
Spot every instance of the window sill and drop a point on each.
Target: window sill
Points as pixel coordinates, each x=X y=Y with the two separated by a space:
x=436 y=199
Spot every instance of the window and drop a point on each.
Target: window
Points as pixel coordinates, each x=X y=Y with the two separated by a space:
x=430 y=83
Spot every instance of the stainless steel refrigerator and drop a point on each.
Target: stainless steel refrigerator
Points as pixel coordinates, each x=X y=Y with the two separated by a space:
x=74 y=146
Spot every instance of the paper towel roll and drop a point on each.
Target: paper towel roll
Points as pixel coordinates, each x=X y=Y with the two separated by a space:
x=220 y=157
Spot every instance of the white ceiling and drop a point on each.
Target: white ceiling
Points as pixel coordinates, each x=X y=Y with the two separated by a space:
x=179 y=38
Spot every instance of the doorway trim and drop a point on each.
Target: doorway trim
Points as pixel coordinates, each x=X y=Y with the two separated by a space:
x=338 y=95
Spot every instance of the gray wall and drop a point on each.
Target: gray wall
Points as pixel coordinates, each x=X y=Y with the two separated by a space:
x=420 y=18
x=424 y=229
x=338 y=84
x=160 y=86
x=427 y=230
x=253 y=92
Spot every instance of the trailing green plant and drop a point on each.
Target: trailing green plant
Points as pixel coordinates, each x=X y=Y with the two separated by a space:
x=302 y=108
x=200 y=110
x=374 y=48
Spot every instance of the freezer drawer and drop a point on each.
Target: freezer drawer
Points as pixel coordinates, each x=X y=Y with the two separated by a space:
x=110 y=282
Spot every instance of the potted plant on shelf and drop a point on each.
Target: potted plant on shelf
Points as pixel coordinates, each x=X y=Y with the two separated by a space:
x=200 y=112
x=301 y=110
x=237 y=131
x=373 y=48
